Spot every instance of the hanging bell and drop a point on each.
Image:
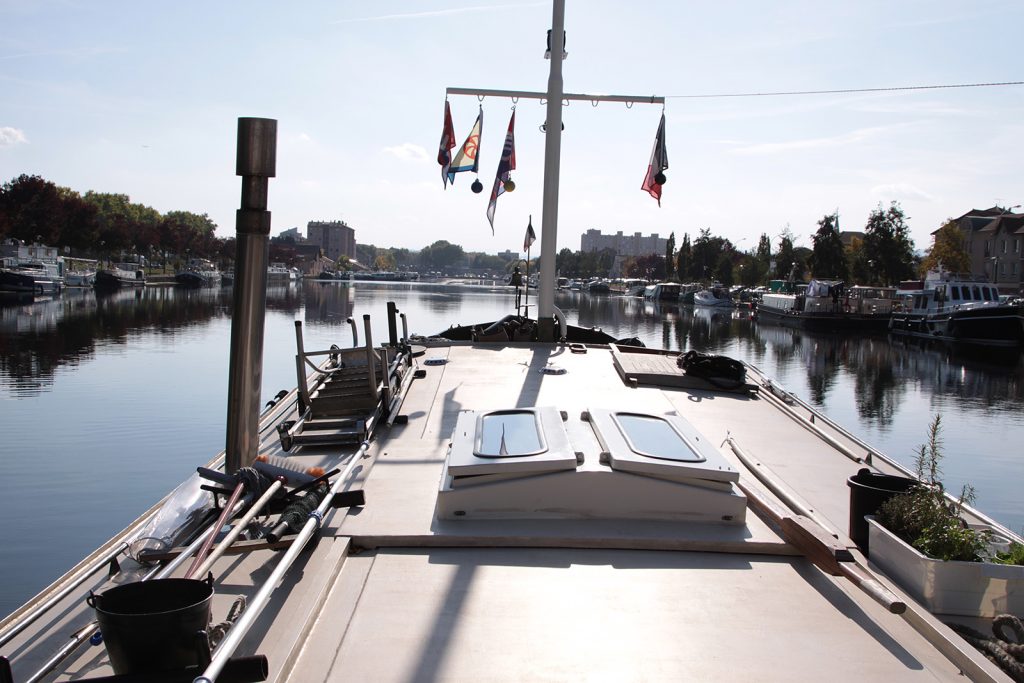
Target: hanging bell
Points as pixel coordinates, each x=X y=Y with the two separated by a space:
x=659 y=178
x=477 y=186
x=510 y=185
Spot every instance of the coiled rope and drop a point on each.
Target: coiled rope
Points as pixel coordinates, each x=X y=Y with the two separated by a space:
x=999 y=648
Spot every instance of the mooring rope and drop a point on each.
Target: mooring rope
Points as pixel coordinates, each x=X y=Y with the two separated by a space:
x=218 y=631
x=1007 y=654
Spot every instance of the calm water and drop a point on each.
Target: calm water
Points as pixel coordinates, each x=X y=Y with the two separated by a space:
x=106 y=403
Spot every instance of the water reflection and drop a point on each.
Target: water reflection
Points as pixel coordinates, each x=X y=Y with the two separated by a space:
x=327 y=301
x=39 y=337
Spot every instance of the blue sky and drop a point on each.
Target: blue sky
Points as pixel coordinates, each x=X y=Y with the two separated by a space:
x=142 y=98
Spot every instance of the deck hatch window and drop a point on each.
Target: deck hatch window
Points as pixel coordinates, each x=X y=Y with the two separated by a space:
x=509 y=434
x=654 y=437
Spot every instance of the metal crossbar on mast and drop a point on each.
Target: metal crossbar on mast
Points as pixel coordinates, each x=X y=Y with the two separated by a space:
x=554 y=97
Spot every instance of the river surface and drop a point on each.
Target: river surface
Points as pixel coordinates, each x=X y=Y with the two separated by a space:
x=107 y=402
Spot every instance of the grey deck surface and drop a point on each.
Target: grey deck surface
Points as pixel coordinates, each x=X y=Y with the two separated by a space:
x=393 y=594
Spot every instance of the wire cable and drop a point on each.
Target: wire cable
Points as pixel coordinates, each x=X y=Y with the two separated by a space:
x=844 y=91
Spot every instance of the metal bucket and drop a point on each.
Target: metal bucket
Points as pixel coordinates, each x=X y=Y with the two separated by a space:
x=868 y=490
x=152 y=625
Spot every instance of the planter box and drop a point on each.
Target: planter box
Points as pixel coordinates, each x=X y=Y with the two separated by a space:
x=974 y=589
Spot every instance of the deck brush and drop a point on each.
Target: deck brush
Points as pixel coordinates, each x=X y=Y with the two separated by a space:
x=294 y=473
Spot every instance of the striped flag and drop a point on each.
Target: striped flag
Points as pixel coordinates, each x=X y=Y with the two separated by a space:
x=505 y=167
x=659 y=162
x=531 y=236
x=466 y=159
x=444 y=152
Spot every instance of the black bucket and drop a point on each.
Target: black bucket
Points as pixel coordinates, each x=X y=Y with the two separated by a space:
x=868 y=490
x=151 y=626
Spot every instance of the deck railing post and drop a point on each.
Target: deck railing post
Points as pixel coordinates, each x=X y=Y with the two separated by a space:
x=355 y=333
x=300 y=367
x=371 y=359
x=392 y=324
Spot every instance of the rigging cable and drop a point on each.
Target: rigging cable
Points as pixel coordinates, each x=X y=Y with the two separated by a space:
x=845 y=91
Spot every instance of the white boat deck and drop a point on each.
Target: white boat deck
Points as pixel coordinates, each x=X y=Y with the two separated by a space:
x=391 y=593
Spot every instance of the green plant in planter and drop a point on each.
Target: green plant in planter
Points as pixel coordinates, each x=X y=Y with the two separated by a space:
x=1015 y=555
x=925 y=519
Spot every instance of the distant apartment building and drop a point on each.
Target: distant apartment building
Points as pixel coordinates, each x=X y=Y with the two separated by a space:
x=994 y=240
x=335 y=238
x=292 y=234
x=624 y=245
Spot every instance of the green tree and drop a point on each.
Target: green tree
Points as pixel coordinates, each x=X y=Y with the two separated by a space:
x=650 y=267
x=705 y=253
x=723 y=271
x=785 y=259
x=670 y=255
x=181 y=232
x=683 y=258
x=441 y=255
x=947 y=250
x=761 y=262
x=385 y=260
x=567 y=262
x=828 y=259
x=887 y=244
x=36 y=210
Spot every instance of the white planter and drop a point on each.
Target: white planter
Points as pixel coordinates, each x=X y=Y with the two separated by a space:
x=975 y=589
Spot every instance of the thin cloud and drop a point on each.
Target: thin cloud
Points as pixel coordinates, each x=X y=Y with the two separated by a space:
x=408 y=152
x=437 y=13
x=91 y=51
x=850 y=138
x=901 y=191
x=9 y=137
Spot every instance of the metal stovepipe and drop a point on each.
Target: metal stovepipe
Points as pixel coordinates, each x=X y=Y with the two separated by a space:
x=256 y=163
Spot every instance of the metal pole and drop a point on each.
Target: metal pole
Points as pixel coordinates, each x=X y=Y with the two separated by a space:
x=256 y=605
x=355 y=333
x=552 y=154
x=239 y=526
x=256 y=162
x=526 y=305
x=392 y=324
x=371 y=359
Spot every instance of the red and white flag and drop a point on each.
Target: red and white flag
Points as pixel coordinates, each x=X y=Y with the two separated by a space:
x=444 y=152
x=505 y=167
x=531 y=236
x=659 y=162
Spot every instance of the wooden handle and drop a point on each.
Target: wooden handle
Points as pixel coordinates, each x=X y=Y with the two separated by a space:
x=814 y=541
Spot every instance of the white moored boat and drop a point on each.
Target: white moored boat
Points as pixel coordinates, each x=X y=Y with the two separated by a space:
x=536 y=508
x=714 y=297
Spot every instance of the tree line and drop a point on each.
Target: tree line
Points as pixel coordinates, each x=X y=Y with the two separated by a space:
x=33 y=209
x=883 y=255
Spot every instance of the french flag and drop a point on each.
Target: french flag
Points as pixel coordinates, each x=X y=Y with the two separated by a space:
x=659 y=162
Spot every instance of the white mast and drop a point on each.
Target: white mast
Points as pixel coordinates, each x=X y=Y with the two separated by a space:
x=555 y=96
x=552 y=162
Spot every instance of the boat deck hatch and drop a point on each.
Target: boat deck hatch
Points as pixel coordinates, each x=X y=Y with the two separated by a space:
x=522 y=441
x=509 y=434
x=655 y=437
x=666 y=446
